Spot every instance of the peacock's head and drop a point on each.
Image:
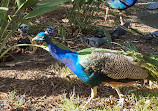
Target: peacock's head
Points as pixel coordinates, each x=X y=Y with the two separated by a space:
x=40 y=36
x=49 y=31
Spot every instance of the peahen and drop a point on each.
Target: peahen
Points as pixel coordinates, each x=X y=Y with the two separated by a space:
x=103 y=66
x=25 y=39
x=23 y=29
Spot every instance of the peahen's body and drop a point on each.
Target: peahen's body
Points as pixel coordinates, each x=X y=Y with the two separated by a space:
x=119 y=4
x=96 y=66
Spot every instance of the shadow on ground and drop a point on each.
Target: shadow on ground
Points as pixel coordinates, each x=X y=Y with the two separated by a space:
x=51 y=86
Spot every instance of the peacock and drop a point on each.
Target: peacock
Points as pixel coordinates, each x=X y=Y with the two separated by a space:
x=96 y=66
x=119 y=4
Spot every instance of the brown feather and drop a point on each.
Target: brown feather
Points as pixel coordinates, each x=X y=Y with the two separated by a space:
x=114 y=65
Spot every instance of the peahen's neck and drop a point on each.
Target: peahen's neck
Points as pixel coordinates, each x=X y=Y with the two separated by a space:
x=69 y=58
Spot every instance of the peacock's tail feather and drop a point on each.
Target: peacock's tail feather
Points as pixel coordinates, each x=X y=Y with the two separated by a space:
x=149 y=63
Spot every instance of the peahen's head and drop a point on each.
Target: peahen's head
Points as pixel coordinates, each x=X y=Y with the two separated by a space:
x=24 y=28
x=42 y=36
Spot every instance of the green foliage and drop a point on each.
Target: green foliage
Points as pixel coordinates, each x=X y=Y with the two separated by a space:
x=3 y=10
x=150 y=63
x=69 y=105
x=83 y=14
x=7 y=50
x=6 y=20
x=16 y=100
x=44 y=46
x=45 y=7
x=132 y=102
x=56 y=43
x=153 y=58
x=62 y=32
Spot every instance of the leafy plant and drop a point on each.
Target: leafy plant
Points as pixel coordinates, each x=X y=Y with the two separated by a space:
x=83 y=13
x=62 y=32
x=6 y=19
x=10 y=22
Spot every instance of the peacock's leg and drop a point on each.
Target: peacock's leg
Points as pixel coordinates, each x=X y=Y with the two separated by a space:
x=121 y=20
x=121 y=99
x=117 y=89
x=106 y=14
x=93 y=94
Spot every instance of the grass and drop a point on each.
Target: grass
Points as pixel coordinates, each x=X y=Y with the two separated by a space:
x=132 y=103
x=14 y=101
x=136 y=99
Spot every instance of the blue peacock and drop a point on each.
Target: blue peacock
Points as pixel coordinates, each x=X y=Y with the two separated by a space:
x=119 y=4
x=103 y=66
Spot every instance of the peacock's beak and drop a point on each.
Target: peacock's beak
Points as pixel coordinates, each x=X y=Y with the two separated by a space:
x=35 y=38
x=38 y=38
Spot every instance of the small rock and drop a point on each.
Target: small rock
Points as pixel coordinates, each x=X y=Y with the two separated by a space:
x=93 y=41
x=152 y=5
x=153 y=35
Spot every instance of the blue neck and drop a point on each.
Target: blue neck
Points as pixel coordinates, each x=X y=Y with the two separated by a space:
x=69 y=58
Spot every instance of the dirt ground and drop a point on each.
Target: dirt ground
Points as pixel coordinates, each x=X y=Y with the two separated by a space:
x=45 y=85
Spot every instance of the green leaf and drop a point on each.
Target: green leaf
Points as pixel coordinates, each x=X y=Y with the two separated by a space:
x=45 y=7
x=44 y=46
x=19 y=2
x=18 y=19
x=57 y=44
x=41 y=11
x=28 y=4
x=62 y=32
x=50 y=3
x=3 y=9
x=61 y=45
x=136 y=31
x=109 y=41
x=18 y=46
x=88 y=1
x=153 y=58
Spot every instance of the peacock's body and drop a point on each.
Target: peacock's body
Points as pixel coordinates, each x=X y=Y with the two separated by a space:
x=96 y=66
x=119 y=4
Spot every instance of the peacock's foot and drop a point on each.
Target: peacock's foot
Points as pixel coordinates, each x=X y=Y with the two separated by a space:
x=121 y=100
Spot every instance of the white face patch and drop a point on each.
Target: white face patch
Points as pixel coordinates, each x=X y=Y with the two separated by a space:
x=24 y=28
